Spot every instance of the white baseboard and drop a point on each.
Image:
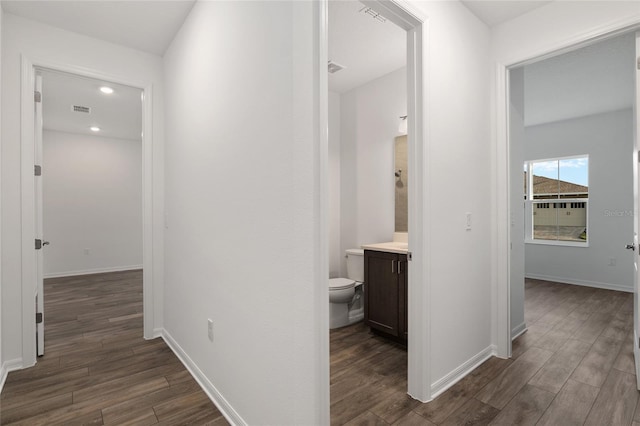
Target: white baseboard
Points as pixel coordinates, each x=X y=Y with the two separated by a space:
x=518 y=331
x=92 y=271
x=585 y=283
x=214 y=395
x=7 y=367
x=459 y=373
x=157 y=332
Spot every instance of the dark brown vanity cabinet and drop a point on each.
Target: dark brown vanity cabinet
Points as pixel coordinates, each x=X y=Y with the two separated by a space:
x=385 y=295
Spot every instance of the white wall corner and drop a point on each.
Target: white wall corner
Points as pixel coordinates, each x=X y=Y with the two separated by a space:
x=7 y=367
x=460 y=372
x=157 y=332
x=518 y=331
x=214 y=395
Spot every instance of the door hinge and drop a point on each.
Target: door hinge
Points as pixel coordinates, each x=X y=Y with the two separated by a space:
x=37 y=96
x=38 y=317
x=639 y=62
x=38 y=244
x=37 y=170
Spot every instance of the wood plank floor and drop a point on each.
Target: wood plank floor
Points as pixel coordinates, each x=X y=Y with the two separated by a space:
x=97 y=368
x=574 y=366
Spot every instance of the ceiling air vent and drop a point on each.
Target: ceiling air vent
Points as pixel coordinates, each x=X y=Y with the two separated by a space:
x=375 y=15
x=334 y=68
x=80 y=108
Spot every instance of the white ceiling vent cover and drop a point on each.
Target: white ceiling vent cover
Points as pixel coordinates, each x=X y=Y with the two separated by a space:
x=334 y=68
x=80 y=108
x=375 y=15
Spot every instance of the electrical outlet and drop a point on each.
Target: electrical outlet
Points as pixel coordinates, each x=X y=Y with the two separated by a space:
x=210 y=328
x=468 y=221
x=87 y=252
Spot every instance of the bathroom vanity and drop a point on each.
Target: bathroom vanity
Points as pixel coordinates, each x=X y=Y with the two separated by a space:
x=385 y=264
x=385 y=295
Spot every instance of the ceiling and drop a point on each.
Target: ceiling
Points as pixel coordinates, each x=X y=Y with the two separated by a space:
x=118 y=115
x=149 y=26
x=493 y=12
x=367 y=47
x=591 y=80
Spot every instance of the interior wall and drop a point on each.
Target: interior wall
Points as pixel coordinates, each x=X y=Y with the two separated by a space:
x=335 y=252
x=40 y=42
x=369 y=120
x=242 y=197
x=457 y=178
x=92 y=204
x=608 y=140
x=516 y=152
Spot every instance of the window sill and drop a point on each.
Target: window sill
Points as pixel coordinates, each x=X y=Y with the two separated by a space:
x=557 y=243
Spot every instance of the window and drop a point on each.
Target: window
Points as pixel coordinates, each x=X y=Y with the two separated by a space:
x=558 y=193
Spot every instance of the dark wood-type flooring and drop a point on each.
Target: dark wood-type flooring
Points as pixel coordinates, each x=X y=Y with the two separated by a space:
x=97 y=368
x=574 y=366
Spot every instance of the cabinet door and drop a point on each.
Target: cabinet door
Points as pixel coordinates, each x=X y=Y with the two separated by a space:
x=402 y=285
x=381 y=291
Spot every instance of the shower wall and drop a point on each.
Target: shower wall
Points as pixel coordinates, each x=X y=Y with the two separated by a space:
x=402 y=180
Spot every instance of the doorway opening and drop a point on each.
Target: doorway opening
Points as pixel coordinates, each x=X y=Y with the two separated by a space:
x=88 y=201
x=570 y=123
x=404 y=111
x=571 y=119
x=137 y=209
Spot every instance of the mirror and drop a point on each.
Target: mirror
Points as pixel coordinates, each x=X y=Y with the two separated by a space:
x=401 y=177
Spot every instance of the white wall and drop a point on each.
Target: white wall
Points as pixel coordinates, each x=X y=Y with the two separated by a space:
x=39 y=42
x=369 y=120
x=92 y=199
x=457 y=181
x=335 y=252
x=608 y=141
x=242 y=199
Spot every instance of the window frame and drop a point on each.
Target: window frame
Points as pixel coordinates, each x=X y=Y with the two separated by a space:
x=530 y=201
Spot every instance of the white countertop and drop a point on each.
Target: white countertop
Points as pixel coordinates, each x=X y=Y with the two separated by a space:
x=391 y=247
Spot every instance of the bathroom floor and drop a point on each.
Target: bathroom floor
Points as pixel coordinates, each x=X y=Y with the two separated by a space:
x=574 y=365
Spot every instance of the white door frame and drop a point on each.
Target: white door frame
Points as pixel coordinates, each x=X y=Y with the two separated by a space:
x=502 y=252
x=28 y=205
x=406 y=16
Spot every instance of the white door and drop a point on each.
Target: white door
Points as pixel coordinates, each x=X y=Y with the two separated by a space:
x=636 y=222
x=40 y=243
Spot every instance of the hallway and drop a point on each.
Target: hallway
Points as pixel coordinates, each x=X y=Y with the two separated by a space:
x=97 y=368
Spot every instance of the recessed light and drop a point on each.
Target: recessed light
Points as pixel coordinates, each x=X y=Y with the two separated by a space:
x=94 y=128
x=106 y=89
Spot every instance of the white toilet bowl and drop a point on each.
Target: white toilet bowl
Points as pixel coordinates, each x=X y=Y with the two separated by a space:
x=345 y=294
x=341 y=290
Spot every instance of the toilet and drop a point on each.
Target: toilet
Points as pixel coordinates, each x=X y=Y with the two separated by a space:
x=346 y=304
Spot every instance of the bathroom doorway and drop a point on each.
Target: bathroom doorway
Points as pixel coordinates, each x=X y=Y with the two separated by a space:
x=367 y=111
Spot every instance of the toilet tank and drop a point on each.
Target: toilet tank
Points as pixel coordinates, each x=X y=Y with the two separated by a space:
x=355 y=264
